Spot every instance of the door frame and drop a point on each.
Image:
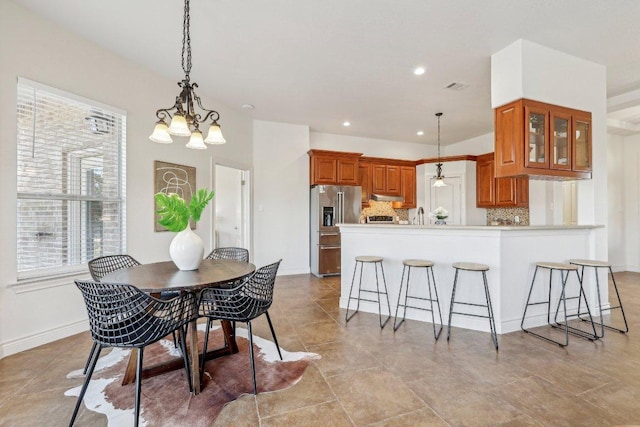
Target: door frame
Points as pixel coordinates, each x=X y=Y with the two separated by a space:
x=246 y=200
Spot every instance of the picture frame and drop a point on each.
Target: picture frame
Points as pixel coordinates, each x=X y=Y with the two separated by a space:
x=172 y=178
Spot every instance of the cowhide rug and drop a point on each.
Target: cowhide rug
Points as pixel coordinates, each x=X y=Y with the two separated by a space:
x=166 y=400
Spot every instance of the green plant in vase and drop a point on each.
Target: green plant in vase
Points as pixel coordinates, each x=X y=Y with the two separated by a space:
x=187 y=248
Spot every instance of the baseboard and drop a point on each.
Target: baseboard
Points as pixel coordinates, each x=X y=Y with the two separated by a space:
x=26 y=343
x=292 y=271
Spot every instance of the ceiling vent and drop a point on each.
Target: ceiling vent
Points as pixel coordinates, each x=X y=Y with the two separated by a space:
x=457 y=86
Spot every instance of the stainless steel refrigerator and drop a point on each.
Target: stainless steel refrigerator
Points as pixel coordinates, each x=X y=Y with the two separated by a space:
x=331 y=205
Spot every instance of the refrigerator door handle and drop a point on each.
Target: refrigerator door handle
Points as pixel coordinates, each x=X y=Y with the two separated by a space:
x=340 y=206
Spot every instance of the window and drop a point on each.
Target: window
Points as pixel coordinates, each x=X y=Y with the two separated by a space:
x=71 y=181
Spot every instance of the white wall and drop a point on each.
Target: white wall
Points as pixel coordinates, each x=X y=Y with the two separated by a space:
x=281 y=196
x=631 y=196
x=372 y=147
x=39 y=50
x=479 y=145
x=617 y=203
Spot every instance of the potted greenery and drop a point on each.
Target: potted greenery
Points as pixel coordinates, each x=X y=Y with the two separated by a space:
x=186 y=249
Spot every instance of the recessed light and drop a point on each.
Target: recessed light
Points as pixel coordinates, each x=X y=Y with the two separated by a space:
x=248 y=106
x=346 y=124
x=420 y=133
x=420 y=70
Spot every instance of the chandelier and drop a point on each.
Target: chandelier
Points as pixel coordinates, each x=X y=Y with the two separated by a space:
x=185 y=121
x=439 y=182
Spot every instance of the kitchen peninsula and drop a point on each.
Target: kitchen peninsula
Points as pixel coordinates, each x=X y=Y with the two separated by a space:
x=509 y=251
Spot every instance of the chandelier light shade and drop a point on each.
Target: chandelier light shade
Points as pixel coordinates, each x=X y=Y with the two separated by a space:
x=184 y=119
x=439 y=182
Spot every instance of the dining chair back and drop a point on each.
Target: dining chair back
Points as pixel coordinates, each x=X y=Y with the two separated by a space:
x=101 y=266
x=236 y=254
x=123 y=316
x=242 y=303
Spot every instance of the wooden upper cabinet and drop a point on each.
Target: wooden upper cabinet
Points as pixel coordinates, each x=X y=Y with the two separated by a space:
x=347 y=170
x=365 y=182
x=498 y=192
x=408 y=186
x=485 y=188
x=389 y=177
x=378 y=179
x=393 y=178
x=333 y=168
x=542 y=140
x=324 y=171
x=581 y=150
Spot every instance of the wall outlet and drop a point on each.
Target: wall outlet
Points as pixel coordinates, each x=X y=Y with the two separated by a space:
x=516 y=219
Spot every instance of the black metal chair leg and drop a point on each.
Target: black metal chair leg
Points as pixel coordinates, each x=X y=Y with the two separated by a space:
x=492 y=322
x=93 y=359
x=253 y=363
x=435 y=289
x=453 y=298
x=396 y=325
x=93 y=349
x=386 y=295
x=624 y=317
x=204 y=351
x=273 y=334
x=185 y=357
x=346 y=315
x=138 y=385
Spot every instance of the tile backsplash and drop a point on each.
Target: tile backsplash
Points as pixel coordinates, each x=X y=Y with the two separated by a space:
x=383 y=208
x=507 y=216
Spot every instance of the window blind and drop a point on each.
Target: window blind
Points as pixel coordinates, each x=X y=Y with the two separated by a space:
x=71 y=180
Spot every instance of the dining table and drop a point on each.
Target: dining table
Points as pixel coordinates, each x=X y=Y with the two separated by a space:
x=160 y=278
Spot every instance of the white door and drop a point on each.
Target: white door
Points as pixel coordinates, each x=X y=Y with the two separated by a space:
x=449 y=197
x=230 y=207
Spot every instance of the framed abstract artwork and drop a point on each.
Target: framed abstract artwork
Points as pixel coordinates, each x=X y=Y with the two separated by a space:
x=173 y=178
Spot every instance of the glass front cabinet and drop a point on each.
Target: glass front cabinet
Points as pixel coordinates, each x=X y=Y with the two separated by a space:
x=538 y=139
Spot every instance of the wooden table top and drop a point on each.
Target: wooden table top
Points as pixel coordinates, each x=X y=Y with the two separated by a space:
x=161 y=276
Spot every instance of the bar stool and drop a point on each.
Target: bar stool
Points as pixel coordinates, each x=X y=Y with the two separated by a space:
x=564 y=270
x=375 y=260
x=470 y=266
x=428 y=266
x=582 y=263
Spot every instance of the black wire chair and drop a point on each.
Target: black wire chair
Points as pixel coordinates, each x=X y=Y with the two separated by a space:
x=233 y=254
x=242 y=303
x=101 y=266
x=123 y=316
x=236 y=254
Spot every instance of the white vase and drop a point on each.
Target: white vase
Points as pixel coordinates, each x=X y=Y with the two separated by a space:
x=187 y=250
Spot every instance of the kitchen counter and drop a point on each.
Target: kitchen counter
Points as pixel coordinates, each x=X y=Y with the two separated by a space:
x=476 y=227
x=509 y=251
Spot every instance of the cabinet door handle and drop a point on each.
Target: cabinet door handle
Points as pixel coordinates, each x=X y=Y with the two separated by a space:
x=328 y=248
x=329 y=234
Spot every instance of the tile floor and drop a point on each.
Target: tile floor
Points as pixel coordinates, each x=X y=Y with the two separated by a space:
x=371 y=377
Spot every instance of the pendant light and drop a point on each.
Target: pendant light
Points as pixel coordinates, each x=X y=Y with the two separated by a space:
x=439 y=182
x=185 y=120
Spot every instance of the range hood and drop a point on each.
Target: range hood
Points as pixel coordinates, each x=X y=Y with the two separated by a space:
x=383 y=198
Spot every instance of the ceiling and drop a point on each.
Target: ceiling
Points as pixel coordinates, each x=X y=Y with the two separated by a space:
x=323 y=62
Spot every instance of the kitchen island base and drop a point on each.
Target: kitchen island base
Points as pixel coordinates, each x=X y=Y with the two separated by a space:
x=510 y=253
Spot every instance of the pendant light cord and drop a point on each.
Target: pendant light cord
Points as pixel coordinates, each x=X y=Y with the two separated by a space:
x=186 y=41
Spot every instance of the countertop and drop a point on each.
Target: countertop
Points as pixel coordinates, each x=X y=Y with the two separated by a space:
x=474 y=227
